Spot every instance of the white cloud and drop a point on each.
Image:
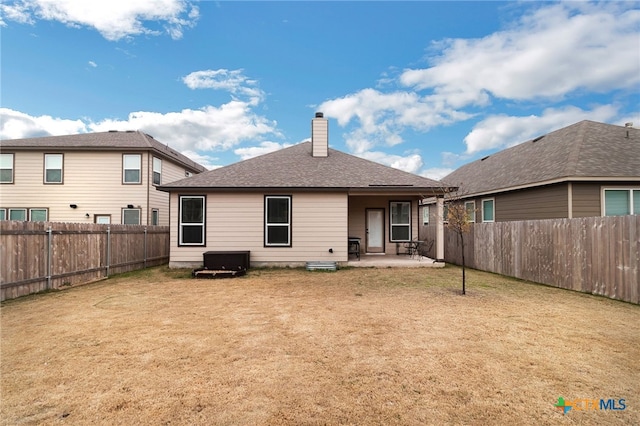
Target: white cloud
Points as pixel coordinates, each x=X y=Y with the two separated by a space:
x=204 y=160
x=410 y=163
x=17 y=12
x=501 y=131
x=436 y=173
x=18 y=125
x=206 y=129
x=553 y=52
x=264 y=148
x=382 y=117
x=114 y=19
x=232 y=81
x=92 y=64
x=550 y=53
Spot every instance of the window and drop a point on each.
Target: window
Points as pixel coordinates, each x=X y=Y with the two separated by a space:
x=3 y=214
x=131 y=216
x=38 y=215
x=157 y=171
x=470 y=207
x=621 y=202
x=6 y=168
x=102 y=218
x=131 y=168
x=277 y=221
x=155 y=217
x=191 y=227
x=17 y=214
x=400 y=220
x=488 y=210
x=445 y=213
x=53 y=168
x=425 y=215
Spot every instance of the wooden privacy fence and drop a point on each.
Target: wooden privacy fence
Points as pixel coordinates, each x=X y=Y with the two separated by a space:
x=37 y=256
x=597 y=255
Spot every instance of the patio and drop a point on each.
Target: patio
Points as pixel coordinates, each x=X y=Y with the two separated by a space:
x=393 y=260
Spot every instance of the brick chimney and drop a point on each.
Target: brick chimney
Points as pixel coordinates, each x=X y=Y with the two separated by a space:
x=319 y=136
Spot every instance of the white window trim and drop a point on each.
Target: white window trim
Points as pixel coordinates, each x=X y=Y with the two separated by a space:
x=21 y=209
x=139 y=216
x=154 y=171
x=203 y=223
x=603 y=207
x=425 y=215
x=124 y=169
x=493 y=200
x=61 y=168
x=3 y=210
x=157 y=213
x=46 y=212
x=472 y=219
x=96 y=218
x=392 y=225
x=267 y=224
x=13 y=167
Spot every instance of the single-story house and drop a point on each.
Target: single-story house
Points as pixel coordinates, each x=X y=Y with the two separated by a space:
x=299 y=204
x=586 y=169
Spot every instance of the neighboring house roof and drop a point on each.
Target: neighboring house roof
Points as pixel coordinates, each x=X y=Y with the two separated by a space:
x=586 y=150
x=295 y=168
x=103 y=141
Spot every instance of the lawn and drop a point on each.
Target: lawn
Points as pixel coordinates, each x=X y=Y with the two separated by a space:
x=287 y=346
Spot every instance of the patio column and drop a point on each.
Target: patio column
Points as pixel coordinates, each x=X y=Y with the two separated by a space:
x=440 y=229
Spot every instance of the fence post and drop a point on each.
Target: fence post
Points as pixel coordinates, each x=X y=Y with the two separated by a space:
x=49 y=243
x=108 y=248
x=145 y=246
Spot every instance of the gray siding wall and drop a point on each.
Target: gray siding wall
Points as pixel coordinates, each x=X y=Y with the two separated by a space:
x=587 y=196
x=586 y=199
x=545 y=202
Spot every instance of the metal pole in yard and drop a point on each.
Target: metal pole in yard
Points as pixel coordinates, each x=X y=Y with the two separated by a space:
x=108 y=248
x=145 y=246
x=49 y=243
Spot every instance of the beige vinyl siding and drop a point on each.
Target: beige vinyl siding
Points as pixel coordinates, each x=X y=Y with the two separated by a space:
x=92 y=180
x=236 y=222
x=171 y=172
x=358 y=206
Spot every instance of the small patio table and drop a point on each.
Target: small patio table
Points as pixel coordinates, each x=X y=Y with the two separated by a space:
x=354 y=246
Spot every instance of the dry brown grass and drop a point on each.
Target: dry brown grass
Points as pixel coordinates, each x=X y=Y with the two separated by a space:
x=357 y=346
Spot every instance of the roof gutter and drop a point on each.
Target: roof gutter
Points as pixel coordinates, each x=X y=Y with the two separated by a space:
x=551 y=182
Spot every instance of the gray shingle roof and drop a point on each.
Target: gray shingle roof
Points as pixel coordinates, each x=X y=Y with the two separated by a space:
x=586 y=149
x=295 y=167
x=102 y=141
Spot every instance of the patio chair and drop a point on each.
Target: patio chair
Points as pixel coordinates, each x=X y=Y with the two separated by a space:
x=424 y=249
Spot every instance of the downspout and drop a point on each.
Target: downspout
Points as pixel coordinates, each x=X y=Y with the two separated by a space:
x=149 y=182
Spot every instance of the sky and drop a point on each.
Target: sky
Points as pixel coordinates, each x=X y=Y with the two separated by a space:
x=424 y=87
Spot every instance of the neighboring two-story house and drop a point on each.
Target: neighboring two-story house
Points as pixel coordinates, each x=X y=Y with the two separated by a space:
x=107 y=177
x=586 y=169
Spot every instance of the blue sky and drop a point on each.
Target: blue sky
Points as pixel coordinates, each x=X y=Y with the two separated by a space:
x=421 y=86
